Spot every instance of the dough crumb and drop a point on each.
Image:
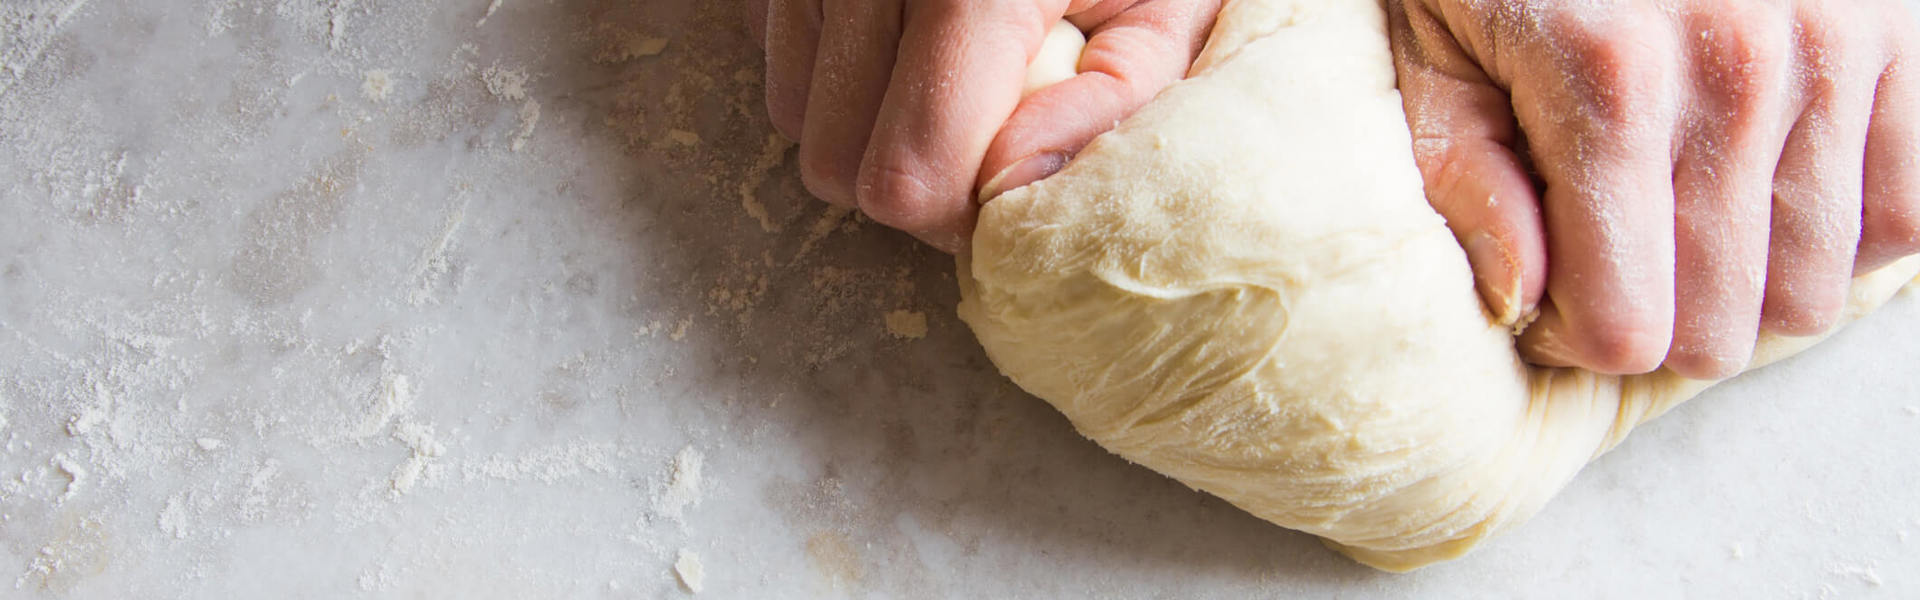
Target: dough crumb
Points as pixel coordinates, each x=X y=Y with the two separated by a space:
x=907 y=324
x=1865 y=573
x=505 y=84
x=377 y=85
x=75 y=475
x=649 y=46
x=209 y=444
x=529 y=114
x=692 y=574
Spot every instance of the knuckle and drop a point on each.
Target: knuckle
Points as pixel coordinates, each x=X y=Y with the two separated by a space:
x=1620 y=78
x=827 y=172
x=1797 y=313
x=894 y=196
x=1897 y=232
x=786 y=111
x=1833 y=45
x=1742 y=56
x=1627 y=346
x=1709 y=360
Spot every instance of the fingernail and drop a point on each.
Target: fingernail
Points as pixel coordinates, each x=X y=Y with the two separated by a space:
x=1498 y=276
x=1028 y=170
x=1542 y=345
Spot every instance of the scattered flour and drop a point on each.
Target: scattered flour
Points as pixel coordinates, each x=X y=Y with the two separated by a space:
x=173 y=518
x=550 y=465
x=395 y=397
x=419 y=439
x=683 y=485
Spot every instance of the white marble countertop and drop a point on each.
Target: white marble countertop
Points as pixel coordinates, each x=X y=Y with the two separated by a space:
x=521 y=299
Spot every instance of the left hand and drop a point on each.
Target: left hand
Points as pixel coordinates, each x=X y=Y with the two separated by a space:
x=903 y=108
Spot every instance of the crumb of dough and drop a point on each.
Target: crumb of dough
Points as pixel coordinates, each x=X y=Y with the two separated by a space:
x=377 y=85
x=691 y=572
x=907 y=324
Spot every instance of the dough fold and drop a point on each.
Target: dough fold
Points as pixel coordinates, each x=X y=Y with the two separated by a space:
x=1243 y=287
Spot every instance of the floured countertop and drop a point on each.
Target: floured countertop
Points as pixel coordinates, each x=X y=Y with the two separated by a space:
x=523 y=298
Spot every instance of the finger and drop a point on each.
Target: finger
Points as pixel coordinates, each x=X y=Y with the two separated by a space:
x=1817 y=188
x=857 y=46
x=1127 y=61
x=757 y=22
x=958 y=77
x=1723 y=187
x=1463 y=141
x=1890 y=225
x=1602 y=139
x=793 y=37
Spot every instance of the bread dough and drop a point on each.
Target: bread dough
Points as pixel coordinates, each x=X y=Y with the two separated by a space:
x=1058 y=59
x=1244 y=288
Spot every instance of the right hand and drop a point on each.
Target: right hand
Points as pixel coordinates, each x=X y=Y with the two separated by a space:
x=1710 y=168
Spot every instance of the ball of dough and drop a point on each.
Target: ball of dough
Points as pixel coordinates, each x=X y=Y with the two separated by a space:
x=1058 y=59
x=1243 y=287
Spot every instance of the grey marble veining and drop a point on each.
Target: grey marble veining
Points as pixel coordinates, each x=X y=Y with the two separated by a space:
x=521 y=298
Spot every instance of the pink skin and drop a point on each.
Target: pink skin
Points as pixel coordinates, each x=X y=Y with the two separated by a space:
x=904 y=108
x=1699 y=170
x=1710 y=169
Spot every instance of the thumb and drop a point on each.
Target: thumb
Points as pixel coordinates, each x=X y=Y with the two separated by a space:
x=1464 y=141
x=1128 y=59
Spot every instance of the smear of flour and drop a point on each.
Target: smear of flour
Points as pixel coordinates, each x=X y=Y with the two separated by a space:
x=491 y=8
x=550 y=464
x=432 y=268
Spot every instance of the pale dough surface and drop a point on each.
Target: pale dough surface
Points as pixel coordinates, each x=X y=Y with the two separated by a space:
x=1243 y=287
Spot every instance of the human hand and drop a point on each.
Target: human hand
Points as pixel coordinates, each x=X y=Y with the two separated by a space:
x=1708 y=169
x=904 y=107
